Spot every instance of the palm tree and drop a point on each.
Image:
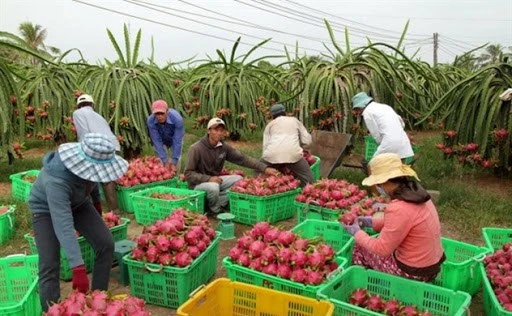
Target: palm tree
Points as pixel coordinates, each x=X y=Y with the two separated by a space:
x=34 y=36
x=492 y=55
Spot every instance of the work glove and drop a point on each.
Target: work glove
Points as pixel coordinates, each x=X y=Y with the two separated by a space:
x=352 y=229
x=80 y=281
x=364 y=221
x=98 y=208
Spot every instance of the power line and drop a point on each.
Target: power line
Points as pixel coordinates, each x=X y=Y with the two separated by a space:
x=453 y=44
x=305 y=20
x=214 y=26
x=170 y=25
x=461 y=42
x=292 y=18
x=364 y=33
x=426 y=18
x=235 y=21
x=350 y=21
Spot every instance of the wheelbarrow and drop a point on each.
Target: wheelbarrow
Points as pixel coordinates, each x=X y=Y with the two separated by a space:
x=332 y=148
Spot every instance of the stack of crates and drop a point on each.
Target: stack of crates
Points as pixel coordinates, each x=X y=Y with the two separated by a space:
x=124 y=193
x=171 y=286
x=148 y=209
x=251 y=209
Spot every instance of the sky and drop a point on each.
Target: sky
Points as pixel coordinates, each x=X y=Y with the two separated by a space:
x=186 y=29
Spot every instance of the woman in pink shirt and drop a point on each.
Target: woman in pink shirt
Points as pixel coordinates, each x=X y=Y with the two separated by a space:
x=409 y=243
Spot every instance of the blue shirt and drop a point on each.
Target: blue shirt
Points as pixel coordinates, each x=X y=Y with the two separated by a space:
x=169 y=134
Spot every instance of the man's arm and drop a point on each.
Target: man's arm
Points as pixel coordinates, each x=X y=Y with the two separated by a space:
x=238 y=158
x=158 y=144
x=304 y=135
x=177 y=140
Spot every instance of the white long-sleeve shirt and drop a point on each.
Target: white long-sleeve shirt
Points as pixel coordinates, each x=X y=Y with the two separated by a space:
x=387 y=128
x=86 y=120
x=283 y=140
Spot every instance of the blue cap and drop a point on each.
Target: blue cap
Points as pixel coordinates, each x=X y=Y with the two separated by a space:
x=360 y=100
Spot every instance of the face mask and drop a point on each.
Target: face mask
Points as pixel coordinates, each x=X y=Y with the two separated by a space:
x=382 y=191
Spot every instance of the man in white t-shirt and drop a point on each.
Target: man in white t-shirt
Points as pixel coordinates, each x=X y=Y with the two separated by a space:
x=283 y=141
x=86 y=120
x=384 y=125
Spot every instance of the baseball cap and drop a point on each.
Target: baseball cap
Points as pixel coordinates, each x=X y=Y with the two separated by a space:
x=84 y=98
x=215 y=121
x=159 y=106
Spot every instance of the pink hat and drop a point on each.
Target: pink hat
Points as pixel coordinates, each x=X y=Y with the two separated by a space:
x=159 y=106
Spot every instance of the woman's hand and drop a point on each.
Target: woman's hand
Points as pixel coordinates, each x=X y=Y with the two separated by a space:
x=364 y=221
x=352 y=229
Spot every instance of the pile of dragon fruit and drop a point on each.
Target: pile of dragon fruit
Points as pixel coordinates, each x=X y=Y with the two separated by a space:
x=111 y=219
x=266 y=185
x=365 y=207
x=361 y=297
x=498 y=268
x=97 y=303
x=331 y=194
x=174 y=241
x=282 y=253
x=145 y=170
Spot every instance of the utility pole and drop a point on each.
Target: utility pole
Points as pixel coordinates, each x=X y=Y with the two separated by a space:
x=436 y=46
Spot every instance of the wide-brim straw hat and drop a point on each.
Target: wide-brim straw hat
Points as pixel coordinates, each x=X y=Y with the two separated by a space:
x=93 y=159
x=387 y=166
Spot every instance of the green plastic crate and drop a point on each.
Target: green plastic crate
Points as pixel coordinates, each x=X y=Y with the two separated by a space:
x=182 y=184
x=118 y=232
x=236 y=272
x=439 y=301
x=495 y=237
x=315 y=169
x=18 y=286
x=492 y=306
x=147 y=209
x=460 y=270
x=167 y=285
x=124 y=199
x=251 y=209
x=21 y=188
x=7 y=222
x=371 y=148
x=309 y=211
x=331 y=233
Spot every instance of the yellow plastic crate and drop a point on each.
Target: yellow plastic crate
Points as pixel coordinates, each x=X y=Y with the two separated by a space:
x=223 y=297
